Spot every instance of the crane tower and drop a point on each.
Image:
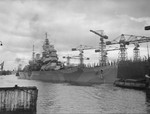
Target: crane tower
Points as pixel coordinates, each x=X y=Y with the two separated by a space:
x=123 y=49
x=80 y=49
x=102 y=46
x=125 y=39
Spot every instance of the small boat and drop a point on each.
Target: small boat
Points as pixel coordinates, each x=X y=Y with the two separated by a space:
x=131 y=84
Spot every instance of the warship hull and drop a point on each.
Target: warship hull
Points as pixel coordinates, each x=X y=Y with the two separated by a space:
x=77 y=76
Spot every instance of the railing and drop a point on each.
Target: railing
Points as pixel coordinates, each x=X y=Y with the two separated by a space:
x=102 y=64
x=18 y=100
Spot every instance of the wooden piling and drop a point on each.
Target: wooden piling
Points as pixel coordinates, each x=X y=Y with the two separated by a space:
x=18 y=100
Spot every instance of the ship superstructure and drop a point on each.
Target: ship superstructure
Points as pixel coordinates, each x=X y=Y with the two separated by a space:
x=48 y=61
x=49 y=56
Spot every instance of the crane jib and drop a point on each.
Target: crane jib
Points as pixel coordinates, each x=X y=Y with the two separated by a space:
x=102 y=36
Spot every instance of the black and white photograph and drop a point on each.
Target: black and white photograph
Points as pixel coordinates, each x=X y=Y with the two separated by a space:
x=74 y=57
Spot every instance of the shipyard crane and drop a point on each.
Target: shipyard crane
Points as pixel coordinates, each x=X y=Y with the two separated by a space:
x=105 y=52
x=102 y=46
x=72 y=57
x=85 y=47
x=125 y=39
x=68 y=59
x=80 y=48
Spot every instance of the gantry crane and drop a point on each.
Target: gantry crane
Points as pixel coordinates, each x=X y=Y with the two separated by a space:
x=80 y=48
x=85 y=47
x=105 y=53
x=102 y=46
x=125 y=39
x=68 y=59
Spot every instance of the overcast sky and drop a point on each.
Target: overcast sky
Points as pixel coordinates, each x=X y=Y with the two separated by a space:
x=67 y=22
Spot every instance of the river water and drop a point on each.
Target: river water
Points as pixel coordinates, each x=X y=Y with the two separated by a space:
x=65 y=98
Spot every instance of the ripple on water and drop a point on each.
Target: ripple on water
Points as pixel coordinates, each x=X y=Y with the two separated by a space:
x=64 y=98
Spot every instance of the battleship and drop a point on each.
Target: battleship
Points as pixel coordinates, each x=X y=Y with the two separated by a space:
x=48 y=68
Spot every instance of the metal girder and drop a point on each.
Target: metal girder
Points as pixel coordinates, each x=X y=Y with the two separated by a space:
x=102 y=47
x=129 y=39
x=101 y=35
x=80 y=48
x=126 y=39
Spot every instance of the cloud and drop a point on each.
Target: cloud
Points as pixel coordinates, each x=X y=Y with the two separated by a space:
x=24 y=23
x=146 y=20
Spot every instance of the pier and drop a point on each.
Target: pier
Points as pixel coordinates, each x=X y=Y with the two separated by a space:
x=18 y=100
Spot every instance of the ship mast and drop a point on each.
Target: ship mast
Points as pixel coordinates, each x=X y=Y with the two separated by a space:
x=46 y=35
x=33 y=54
